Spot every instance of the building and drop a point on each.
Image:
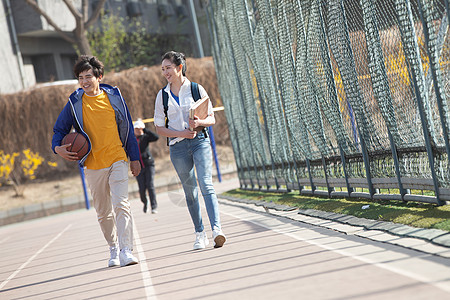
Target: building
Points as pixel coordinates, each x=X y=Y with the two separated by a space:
x=33 y=52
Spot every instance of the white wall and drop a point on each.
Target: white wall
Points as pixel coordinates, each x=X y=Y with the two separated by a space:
x=10 y=80
x=59 y=13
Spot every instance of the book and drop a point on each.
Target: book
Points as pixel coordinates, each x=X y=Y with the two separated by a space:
x=199 y=109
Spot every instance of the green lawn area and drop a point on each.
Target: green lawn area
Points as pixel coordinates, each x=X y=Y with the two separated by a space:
x=422 y=215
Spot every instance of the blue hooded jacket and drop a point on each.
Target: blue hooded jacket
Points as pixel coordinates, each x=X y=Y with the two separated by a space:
x=72 y=116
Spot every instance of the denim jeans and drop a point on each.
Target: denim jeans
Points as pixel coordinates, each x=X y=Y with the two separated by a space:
x=184 y=156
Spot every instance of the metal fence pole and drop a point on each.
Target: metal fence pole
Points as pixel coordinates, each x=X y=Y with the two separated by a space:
x=437 y=90
x=329 y=189
x=397 y=165
x=213 y=146
x=198 y=38
x=268 y=144
x=344 y=166
x=246 y=122
x=248 y=167
x=426 y=133
x=308 y=164
x=83 y=182
x=365 y=155
x=427 y=143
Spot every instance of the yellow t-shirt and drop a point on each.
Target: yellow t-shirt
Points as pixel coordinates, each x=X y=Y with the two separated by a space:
x=99 y=122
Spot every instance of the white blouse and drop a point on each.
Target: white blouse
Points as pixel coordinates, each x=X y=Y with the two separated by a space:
x=178 y=114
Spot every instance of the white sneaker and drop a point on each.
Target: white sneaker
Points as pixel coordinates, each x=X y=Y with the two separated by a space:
x=201 y=241
x=126 y=258
x=114 y=259
x=219 y=238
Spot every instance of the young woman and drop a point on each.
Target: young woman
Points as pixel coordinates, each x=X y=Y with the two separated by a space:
x=188 y=148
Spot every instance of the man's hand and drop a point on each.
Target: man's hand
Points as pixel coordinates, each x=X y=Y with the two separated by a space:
x=62 y=151
x=135 y=167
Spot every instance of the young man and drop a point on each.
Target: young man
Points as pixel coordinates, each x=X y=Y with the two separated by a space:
x=99 y=112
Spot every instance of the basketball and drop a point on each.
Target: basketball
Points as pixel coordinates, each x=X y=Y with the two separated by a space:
x=78 y=142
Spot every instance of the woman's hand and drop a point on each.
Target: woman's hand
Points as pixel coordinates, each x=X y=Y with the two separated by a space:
x=62 y=151
x=194 y=123
x=187 y=134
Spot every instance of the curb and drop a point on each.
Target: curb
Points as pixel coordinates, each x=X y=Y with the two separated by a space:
x=353 y=225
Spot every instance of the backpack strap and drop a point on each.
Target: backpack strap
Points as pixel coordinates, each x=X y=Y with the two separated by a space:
x=196 y=95
x=194 y=91
x=166 y=105
x=165 y=97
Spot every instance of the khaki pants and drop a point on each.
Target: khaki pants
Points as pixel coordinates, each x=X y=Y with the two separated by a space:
x=109 y=189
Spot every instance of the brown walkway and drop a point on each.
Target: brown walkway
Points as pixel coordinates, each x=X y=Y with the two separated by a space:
x=266 y=257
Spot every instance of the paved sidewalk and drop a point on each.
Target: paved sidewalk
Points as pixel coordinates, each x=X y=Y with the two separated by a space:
x=269 y=254
x=359 y=226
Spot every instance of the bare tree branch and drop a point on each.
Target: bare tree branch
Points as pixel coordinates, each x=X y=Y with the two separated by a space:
x=95 y=13
x=85 y=10
x=79 y=40
x=73 y=10
x=36 y=7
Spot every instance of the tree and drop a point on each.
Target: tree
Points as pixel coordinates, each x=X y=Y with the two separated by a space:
x=79 y=38
x=123 y=43
x=107 y=42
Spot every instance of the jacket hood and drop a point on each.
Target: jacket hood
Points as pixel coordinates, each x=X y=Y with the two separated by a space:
x=78 y=93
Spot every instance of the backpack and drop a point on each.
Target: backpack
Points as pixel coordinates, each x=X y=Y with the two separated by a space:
x=195 y=94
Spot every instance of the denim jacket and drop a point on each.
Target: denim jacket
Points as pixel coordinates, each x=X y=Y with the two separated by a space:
x=72 y=115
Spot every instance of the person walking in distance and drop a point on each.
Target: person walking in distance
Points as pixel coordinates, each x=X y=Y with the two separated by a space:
x=188 y=149
x=146 y=178
x=99 y=112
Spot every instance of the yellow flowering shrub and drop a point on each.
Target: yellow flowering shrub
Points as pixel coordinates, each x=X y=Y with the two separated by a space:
x=30 y=163
x=7 y=164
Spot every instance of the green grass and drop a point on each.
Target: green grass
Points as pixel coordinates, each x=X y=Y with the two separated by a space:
x=421 y=215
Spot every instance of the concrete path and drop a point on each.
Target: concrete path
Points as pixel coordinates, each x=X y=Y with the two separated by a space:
x=267 y=256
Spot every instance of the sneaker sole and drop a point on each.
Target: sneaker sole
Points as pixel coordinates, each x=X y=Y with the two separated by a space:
x=199 y=247
x=129 y=264
x=113 y=264
x=219 y=241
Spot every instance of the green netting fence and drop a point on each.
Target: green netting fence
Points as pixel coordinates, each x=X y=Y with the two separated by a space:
x=337 y=98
